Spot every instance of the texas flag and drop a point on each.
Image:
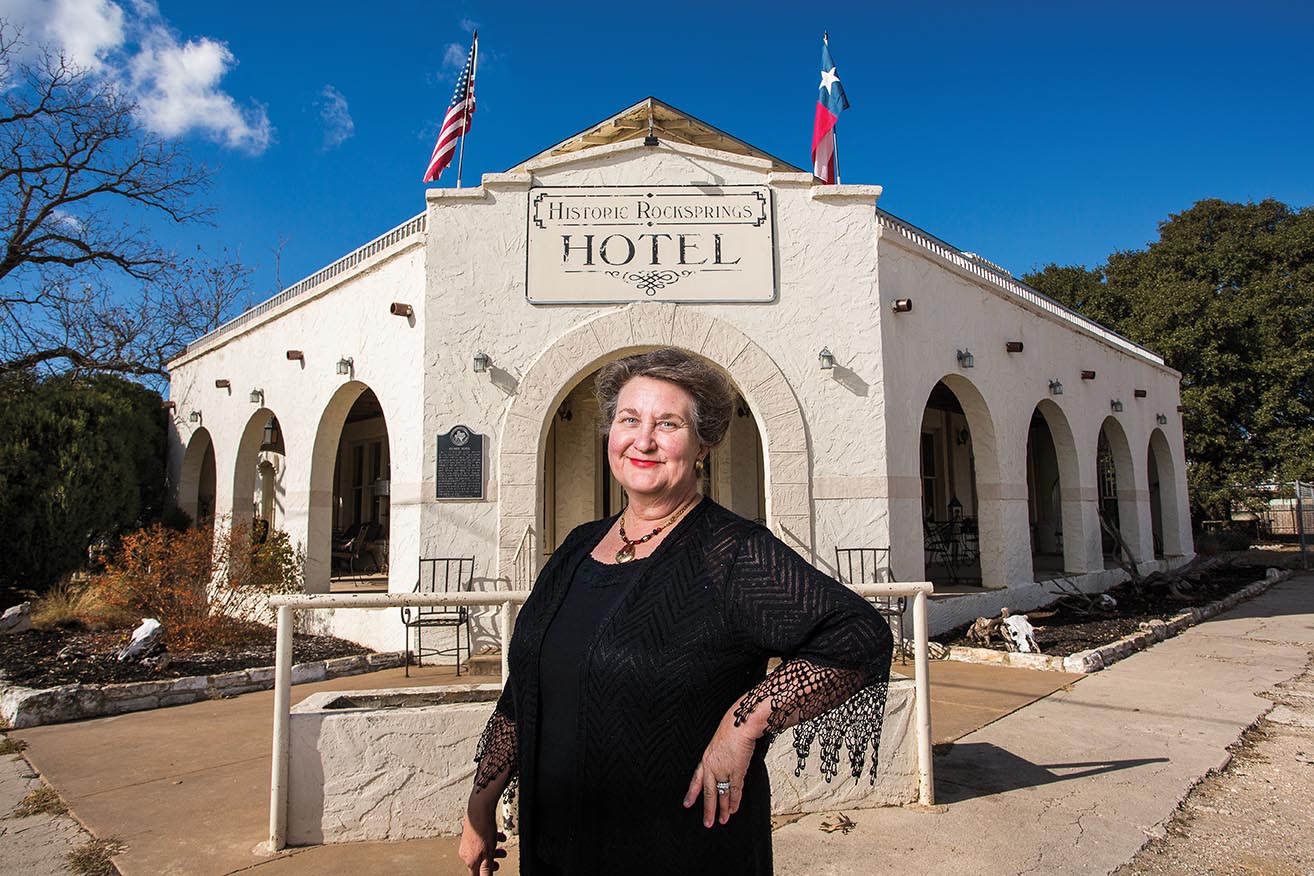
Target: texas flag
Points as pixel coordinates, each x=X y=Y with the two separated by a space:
x=830 y=103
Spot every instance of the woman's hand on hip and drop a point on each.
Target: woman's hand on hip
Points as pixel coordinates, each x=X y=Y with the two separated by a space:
x=725 y=760
x=479 y=839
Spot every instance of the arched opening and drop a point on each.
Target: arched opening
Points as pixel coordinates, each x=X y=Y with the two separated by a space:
x=1053 y=509
x=352 y=464
x=951 y=507
x=577 y=481
x=1165 y=514
x=1119 y=521
x=197 y=484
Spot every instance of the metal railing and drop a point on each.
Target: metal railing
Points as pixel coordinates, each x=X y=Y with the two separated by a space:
x=287 y=606
x=1001 y=278
x=412 y=226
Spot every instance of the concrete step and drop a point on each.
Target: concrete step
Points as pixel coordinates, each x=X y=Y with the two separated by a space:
x=484 y=664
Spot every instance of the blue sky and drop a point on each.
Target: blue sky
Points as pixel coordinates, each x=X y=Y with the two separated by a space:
x=1026 y=132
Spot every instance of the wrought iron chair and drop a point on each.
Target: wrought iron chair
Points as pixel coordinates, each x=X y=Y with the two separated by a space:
x=871 y=565
x=440 y=575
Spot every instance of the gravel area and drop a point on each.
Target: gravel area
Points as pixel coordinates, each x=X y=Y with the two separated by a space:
x=1254 y=816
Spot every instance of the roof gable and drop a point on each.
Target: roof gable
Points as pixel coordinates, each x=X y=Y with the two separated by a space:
x=663 y=121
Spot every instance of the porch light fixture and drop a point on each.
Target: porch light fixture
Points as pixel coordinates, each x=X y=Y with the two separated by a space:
x=1161 y=419
x=481 y=362
x=193 y=416
x=296 y=356
x=1139 y=393
x=257 y=396
x=827 y=359
x=270 y=439
x=1115 y=405
x=966 y=359
x=963 y=437
x=1013 y=346
x=222 y=384
x=346 y=365
x=565 y=413
x=1055 y=388
x=1087 y=375
x=955 y=509
x=399 y=308
x=903 y=305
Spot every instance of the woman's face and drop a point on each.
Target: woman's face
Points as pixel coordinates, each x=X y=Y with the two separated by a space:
x=651 y=445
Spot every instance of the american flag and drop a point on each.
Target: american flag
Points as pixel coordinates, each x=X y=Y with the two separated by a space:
x=457 y=120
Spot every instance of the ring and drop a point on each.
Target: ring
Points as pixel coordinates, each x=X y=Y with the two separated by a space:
x=723 y=787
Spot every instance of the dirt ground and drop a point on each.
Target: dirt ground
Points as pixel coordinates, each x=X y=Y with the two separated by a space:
x=1256 y=817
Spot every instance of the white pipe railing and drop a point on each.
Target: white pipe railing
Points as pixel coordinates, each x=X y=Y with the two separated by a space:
x=287 y=606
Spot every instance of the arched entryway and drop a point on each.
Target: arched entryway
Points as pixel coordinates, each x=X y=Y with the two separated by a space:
x=348 y=535
x=197 y=482
x=1053 y=503
x=577 y=485
x=959 y=529
x=1115 y=478
x=769 y=404
x=258 y=472
x=1165 y=514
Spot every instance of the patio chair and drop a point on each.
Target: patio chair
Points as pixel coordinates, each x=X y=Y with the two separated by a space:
x=440 y=575
x=871 y=565
x=347 y=551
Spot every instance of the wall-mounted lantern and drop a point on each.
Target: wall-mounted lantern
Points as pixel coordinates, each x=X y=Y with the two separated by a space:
x=1161 y=419
x=481 y=362
x=193 y=416
x=826 y=358
x=1055 y=388
x=257 y=396
x=346 y=365
x=966 y=359
x=1115 y=405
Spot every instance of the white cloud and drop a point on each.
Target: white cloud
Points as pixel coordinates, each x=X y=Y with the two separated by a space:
x=85 y=31
x=454 y=58
x=177 y=87
x=469 y=26
x=175 y=84
x=338 y=125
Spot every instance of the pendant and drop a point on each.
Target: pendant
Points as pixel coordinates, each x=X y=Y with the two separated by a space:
x=625 y=554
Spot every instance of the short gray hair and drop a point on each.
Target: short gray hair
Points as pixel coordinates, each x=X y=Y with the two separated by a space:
x=713 y=396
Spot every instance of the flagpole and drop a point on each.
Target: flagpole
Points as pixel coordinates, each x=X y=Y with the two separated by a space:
x=834 y=136
x=465 y=112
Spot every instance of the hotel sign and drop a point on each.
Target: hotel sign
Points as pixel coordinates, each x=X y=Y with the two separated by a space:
x=644 y=243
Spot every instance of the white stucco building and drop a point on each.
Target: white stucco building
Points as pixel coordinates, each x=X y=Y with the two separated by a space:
x=322 y=409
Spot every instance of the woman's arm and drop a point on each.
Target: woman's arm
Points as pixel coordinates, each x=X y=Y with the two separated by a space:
x=496 y=757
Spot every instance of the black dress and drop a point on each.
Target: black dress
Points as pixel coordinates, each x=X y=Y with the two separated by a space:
x=684 y=640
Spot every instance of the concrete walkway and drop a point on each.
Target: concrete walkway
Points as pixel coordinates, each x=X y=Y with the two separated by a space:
x=1077 y=782
x=1069 y=784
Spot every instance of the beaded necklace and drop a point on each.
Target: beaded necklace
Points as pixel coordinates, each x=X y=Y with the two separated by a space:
x=625 y=554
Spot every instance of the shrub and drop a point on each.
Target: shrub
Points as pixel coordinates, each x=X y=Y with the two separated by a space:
x=73 y=604
x=198 y=587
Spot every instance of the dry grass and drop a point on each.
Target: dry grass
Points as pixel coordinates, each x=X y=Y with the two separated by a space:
x=93 y=857
x=10 y=745
x=74 y=604
x=42 y=801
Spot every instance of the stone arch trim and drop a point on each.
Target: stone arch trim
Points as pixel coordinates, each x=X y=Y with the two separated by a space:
x=640 y=326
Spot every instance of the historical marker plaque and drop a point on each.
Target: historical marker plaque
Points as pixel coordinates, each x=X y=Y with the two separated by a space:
x=460 y=464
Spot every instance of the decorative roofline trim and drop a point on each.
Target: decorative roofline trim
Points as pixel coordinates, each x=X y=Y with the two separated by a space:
x=384 y=242
x=1005 y=281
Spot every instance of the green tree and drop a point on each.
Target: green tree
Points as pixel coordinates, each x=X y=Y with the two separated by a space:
x=1226 y=296
x=81 y=457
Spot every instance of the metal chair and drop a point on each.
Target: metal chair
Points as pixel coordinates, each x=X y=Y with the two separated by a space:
x=440 y=575
x=871 y=565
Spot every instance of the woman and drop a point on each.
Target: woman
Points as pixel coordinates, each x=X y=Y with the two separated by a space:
x=637 y=714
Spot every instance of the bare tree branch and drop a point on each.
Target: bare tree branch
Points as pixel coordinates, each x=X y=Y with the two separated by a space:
x=82 y=283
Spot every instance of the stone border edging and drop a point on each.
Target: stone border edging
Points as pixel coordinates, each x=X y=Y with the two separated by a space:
x=24 y=707
x=1095 y=659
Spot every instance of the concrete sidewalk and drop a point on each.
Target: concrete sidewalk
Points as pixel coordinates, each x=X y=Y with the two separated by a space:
x=1069 y=784
x=1077 y=782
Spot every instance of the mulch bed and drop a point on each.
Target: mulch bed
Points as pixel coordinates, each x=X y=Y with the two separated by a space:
x=1069 y=632
x=49 y=658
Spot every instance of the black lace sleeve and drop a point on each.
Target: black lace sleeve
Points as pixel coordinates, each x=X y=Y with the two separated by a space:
x=498 y=750
x=836 y=649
